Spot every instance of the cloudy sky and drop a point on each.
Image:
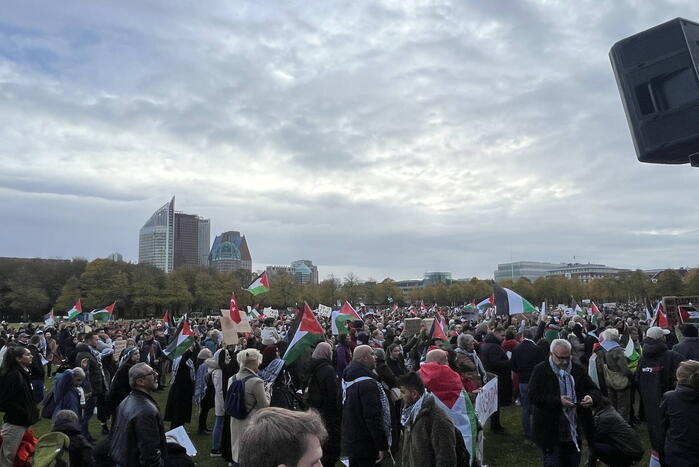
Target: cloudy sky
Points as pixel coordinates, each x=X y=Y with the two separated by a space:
x=381 y=138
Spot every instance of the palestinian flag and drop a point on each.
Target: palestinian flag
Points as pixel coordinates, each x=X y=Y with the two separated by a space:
x=575 y=307
x=439 y=331
x=486 y=303
x=49 y=318
x=308 y=333
x=234 y=311
x=594 y=313
x=253 y=314
x=341 y=317
x=74 y=312
x=660 y=318
x=688 y=314
x=183 y=340
x=104 y=314
x=259 y=285
x=511 y=303
x=631 y=355
x=551 y=332
x=168 y=320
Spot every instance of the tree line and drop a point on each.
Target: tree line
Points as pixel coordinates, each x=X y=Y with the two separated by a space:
x=29 y=288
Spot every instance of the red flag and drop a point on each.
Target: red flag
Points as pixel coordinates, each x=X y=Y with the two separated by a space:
x=660 y=319
x=234 y=311
x=110 y=308
x=593 y=309
x=348 y=310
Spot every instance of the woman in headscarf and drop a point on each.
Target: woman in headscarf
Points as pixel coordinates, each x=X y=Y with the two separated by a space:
x=323 y=395
x=178 y=409
x=219 y=400
x=203 y=389
x=120 y=387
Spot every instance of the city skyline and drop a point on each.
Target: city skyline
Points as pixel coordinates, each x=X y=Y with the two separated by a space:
x=380 y=138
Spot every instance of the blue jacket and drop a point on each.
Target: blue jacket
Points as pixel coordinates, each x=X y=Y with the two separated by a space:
x=65 y=394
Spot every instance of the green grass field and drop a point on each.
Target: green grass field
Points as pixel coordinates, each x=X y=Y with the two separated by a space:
x=507 y=449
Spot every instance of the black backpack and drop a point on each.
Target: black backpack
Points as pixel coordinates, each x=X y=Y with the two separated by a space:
x=235 y=398
x=48 y=406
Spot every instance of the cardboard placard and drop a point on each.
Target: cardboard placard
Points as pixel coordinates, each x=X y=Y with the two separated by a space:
x=324 y=311
x=487 y=401
x=411 y=326
x=243 y=326
x=119 y=346
x=230 y=334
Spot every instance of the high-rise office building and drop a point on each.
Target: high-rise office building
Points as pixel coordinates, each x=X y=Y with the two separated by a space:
x=230 y=253
x=191 y=240
x=304 y=271
x=156 y=240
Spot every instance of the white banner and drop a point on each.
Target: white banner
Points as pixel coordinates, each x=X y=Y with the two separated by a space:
x=270 y=312
x=324 y=311
x=487 y=401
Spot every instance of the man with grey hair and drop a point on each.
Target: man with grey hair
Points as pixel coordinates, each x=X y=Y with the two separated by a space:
x=613 y=372
x=561 y=395
x=138 y=433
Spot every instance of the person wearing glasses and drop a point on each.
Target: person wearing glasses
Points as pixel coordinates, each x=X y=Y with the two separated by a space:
x=138 y=433
x=561 y=396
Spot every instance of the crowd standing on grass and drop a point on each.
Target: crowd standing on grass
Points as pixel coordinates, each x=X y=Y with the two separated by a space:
x=377 y=393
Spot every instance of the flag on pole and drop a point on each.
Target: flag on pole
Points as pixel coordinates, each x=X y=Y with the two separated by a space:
x=253 y=313
x=440 y=331
x=168 y=320
x=308 y=333
x=340 y=318
x=74 y=312
x=234 y=311
x=49 y=318
x=630 y=351
x=486 y=303
x=574 y=305
x=259 y=285
x=183 y=340
x=688 y=314
x=104 y=314
x=660 y=318
x=511 y=303
x=594 y=313
x=648 y=315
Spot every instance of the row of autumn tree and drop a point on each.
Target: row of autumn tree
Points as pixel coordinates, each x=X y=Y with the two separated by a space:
x=29 y=288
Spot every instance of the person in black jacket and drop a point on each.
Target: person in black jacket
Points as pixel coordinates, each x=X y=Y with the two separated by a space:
x=679 y=412
x=655 y=375
x=80 y=449
x=525 y=357
x=323 y=395
x=138 y=435
x=495 y=361
x=17 y=401
x=37 y=372
x=88 y=350
x=178 y=409
x=561 y=395
x=689 y=347
x=120 y=388
x=366 y=420
x=615 y=443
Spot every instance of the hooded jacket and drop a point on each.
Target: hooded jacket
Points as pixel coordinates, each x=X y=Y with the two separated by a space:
x=679 y=438
x=611 y=428
x=324 y=395
x=362 y=414
x=429 y=440
x=688 y=348
x=80 y=449
x=94 y=370
x=495 y=361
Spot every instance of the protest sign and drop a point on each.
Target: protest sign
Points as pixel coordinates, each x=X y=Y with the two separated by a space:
x=270 y=312
x=119 y=346
x=180 y=435
x=412 y=326
x=324 y=311
x=230 y=334
x=487 y=401
x=242 y=327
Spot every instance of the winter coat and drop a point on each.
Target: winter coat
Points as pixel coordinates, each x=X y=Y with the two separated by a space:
x=94 y=369
x=545 y=399
x=177 y=456
x=616 y=361
x=151 y=351
x=120 y=387
x=655 y=375
x=65 y=394
x=269 y=335
x=255 y=399
x=386 y=376
x=363 y=432
x=37 y=370
x=343 y=355
x=138 y=434
x=80 y=449
x=429 y=440
x=679 y=438
x=397 y=367
x=688 y=348
x=324 y=396
x=495 y=361
x=612 y=429
x=525 y=357
x=17 y=398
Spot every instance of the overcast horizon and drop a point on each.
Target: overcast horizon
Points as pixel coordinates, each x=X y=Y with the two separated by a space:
x=383 y=138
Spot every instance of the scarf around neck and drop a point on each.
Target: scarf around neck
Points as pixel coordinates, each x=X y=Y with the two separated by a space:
x=566 y=386
x=409 y=413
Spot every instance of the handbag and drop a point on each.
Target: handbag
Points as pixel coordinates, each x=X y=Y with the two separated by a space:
x=614 y=379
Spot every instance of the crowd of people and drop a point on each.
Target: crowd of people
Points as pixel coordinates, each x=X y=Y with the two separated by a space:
x=379 y=393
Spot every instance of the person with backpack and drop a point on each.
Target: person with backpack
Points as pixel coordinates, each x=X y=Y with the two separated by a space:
x=67 y=423
x=324 y=395
x=138 y=433
x=16 y=400
x=245 y=396
x=65 y=393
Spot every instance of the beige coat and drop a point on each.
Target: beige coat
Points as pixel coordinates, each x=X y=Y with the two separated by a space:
x=255 y=399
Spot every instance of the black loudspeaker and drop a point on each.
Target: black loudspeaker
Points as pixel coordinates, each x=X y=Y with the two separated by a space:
x=657 y=72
